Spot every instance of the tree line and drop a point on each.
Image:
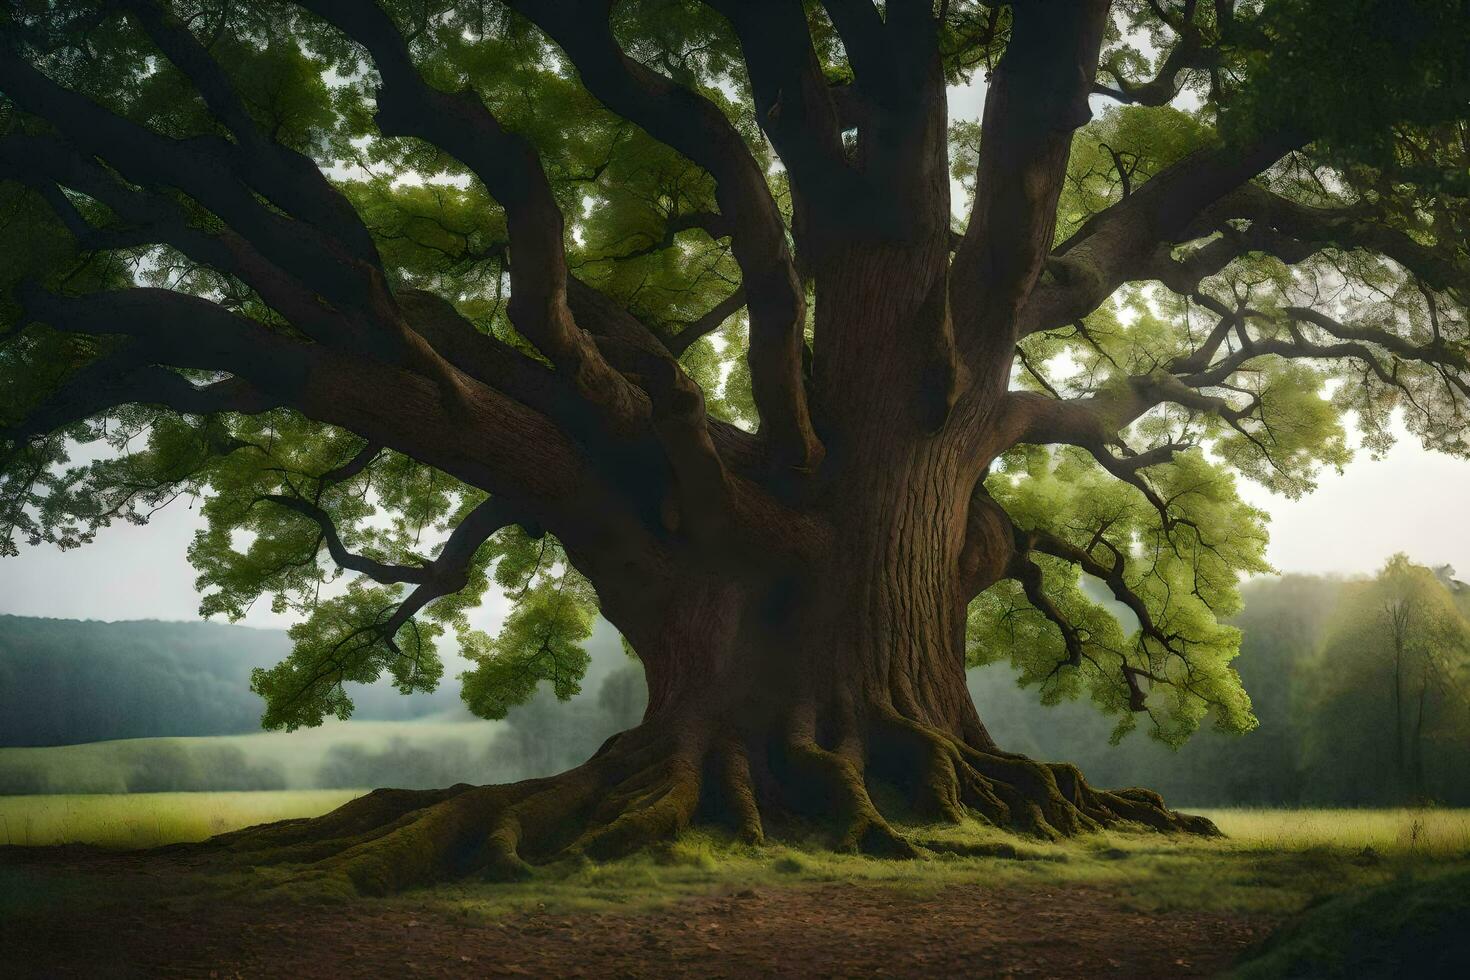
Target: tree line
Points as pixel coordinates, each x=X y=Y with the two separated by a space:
x=1361 y=688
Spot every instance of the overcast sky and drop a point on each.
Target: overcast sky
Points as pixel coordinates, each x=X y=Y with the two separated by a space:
x=1412 y=501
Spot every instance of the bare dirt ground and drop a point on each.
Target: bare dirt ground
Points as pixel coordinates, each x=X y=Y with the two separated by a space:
x=832 y=930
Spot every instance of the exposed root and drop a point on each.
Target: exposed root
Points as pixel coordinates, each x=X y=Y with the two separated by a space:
x=658 y=804
x=838 y=782
x=734 y=791
x=648 y=786
x=390 y=840
x=1047 y=800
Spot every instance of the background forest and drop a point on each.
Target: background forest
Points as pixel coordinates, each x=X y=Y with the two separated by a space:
x=1362 y=688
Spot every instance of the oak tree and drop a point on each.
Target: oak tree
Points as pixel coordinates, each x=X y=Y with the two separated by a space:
x=706 y=316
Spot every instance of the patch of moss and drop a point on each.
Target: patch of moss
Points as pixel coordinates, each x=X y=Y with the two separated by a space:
x=1411 y=928
x=1144 y=870
x=791 y=864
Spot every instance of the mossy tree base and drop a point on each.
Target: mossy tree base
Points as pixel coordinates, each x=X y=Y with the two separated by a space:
x=649 y=784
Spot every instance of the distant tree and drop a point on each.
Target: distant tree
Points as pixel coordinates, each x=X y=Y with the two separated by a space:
x=1283 y=625
x=660 y=307
x=1391 y=672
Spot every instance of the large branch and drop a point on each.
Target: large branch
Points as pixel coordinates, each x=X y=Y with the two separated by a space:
x=702 y=491
x=1348 y=228
x=484 y=357
x=150 y=217
x=864 y=36
x=486 y=439
x=606 y=319
x=1451 y=361
x=511 y=171
x=294 y=181
x=1096 y=421
x=1195 y=381
x=180 y=330
x=1036 y=100
x=465 y=403
x=698 y=129
x=212 y=172
x=1121 y=244
x=124 y=379
x=792 y=100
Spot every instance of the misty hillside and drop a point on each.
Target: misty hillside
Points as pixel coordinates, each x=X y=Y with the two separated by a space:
x=66 y=681
x=140 y=707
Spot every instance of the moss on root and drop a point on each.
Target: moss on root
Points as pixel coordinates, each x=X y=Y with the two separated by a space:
x=643 y=790
x=948 y=777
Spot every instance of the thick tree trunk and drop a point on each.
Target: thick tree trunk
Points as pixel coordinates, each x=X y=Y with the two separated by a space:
x=772 y=710
x=783 y=694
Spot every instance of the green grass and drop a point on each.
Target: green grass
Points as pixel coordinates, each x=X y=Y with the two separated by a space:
x=1272 y=861
x=1426 y=831
x=1364 y=893
x=150 y=819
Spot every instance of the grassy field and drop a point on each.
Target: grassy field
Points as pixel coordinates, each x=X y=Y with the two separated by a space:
x=1270 y=860
x=1404 y=873
x=292 y=760
x=150 y=819
x=1427 y=831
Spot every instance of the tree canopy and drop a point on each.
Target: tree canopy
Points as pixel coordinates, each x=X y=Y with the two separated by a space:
x=420 y=296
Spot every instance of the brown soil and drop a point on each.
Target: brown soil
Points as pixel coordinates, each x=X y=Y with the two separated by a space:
x=838 y=930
